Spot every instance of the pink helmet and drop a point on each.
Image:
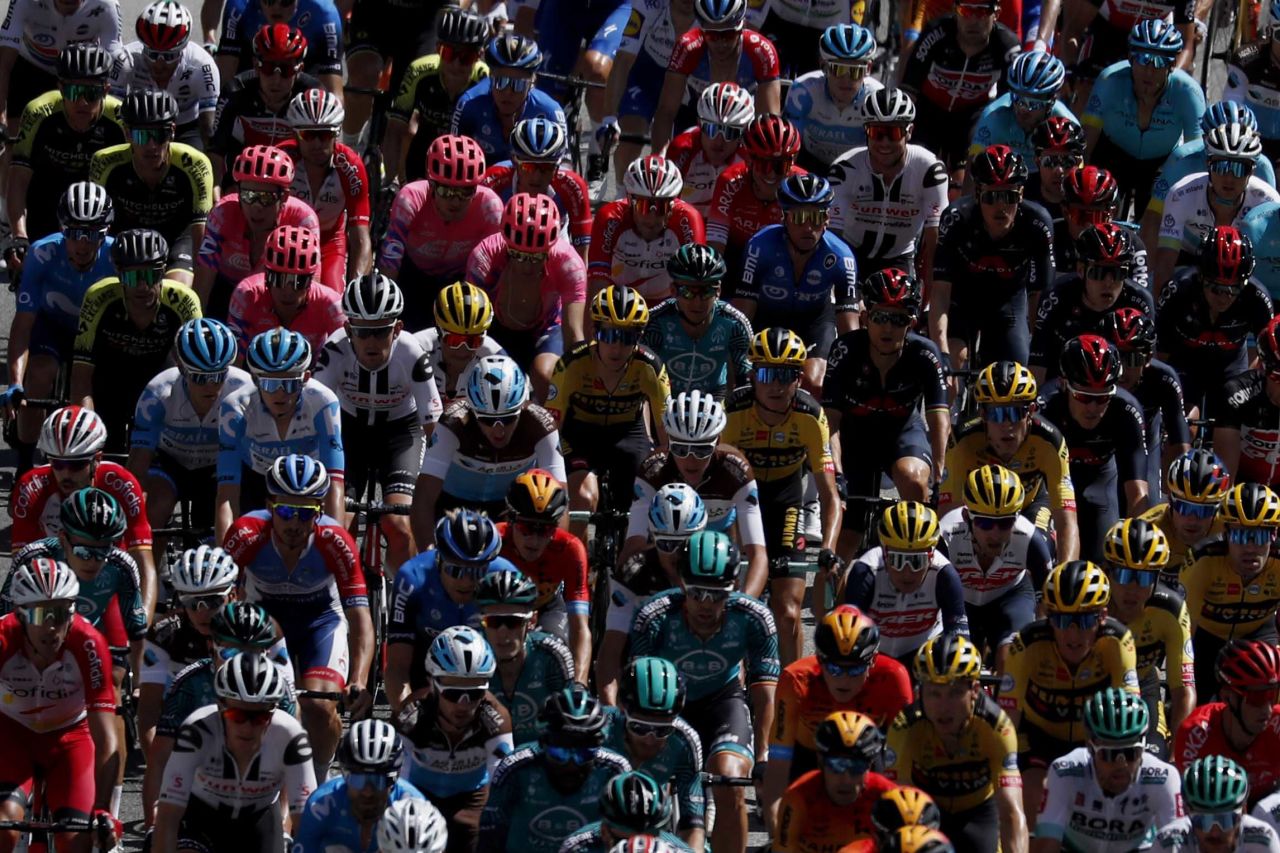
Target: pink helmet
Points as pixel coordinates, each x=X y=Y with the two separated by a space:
x=455 y=161
x=530 y=223
x=294 y=250
x=265 y=163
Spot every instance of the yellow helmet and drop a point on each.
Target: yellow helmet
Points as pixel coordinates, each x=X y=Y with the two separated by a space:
x=1005 y=383
x=846 y=634
x=463 y=309
x=848 y=733
x=619 y=307
x=909 y=526
x=905 y=806
x=993 y=490
x=917 y=839
x=1133 y=543
x=777 y=347
x=1076 y=587
x=947 y=658
x=1251 y=505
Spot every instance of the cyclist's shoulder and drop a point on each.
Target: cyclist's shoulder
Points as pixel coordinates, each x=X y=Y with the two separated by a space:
x=105 y=160
x=725 y=313
x=750 y=607
x=1213 y=553
x=1041 y=430
x=180 y=298
x=40 y=108
x=577 y=358
x=1165 y=602
x=101 y=294
x=741 y=400
x=1075 y=764
x=657 y=608
x=524 y=759
x=644 y=360
x=1034 y=637
x=193 y=163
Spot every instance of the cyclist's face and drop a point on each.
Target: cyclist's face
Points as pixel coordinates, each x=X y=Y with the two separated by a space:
x=203 y=395
x=1149 y=81
x=201 y=618
x=705 y=616
x=85 y=569
x=282 y=403
x=276 y=87
x=998 y=216
x=722 y=44
x=1190 y=529
x=887 y=145
x=1247 y=559
x=507 y=100
x=843 y=788
x=368 y=803
x=990 y=539
x=1130 y=597
x=697 y=308
x=278 y=11
x=262 y=217
x=47 y=638
x=910 y=576
x=534 y=178
x=154 y=152
x=1006 y=437
x=81 y=112
x=1088 y=411
x=287 y=298
x=248 y=733
x=973 y=23
x=776 y=395
x=451 y=206
x=1220 y=301
x=82 y=252
x=843 y=85
x=498 y=433
x=1217 y=840
x=1115 y=777
x=73 y=474
x=767 y=175
x=293 y=532
x=1102 y=285
x=887 y=337
x=373 y=349
x=691 y=468
x=506 y=639
x=457 y=711
x=1253 y=708
x=1228 y=185
x=614 y=355
x=719 y=150
x=949 y=706
x=805 y=227
x=66 y=7
x=1074 y=642
x=844 y=687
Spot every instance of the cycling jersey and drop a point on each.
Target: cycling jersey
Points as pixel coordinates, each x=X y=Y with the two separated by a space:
x=579 y=397
x=998 y=125
x=171 y=645
x=422 y=92
x=1190 y=158
x=1188 y=217
x=728 y=490
x=986 y=759
x=1113 y=109
x=442 y=765
x=1253 y=79
x=699 y=173
x=476 y=116
x=802 y=441
x=770 y=280
x=620 y=256
x=815 y=14
x=109 y=340
x=1062 y=315
x=117 y=581
x=429 y=339
x=1027 y=553
x=342 y=199
x=547 y=669
x=857 y=391
x=1262 y=226
x=736 y=213
x=194 y=82
x=36 y=504
x=1066 y=258
x=1020 y=261
x=1198 y=344
x=809 y=822
x=746 y=635
x=1162 y=638
x=1180 y=553
x=402 y=387
x=1248 y=410
x=1119 y=438
x=328 y=824
x=192 y=689
x=651 y=30
x=420 y=607
x=38 y=30
x=227 y=241
x=561 y=570
x=319 y=20
x=907 y=619
x=941 y=74
x=827 y=130
x=1201 y=734
x=703 y=362
x=416 y=232
x=65 y=692
x=244 y=118
x=249 y=438
x=1082 y=817
x=564 y=283
x=678 y=764
x=182 y=198
x=1255 y=837
x=165 y=421
x=757 y=62
x=1041 y=462
x=473 y=470
x=568 y=190
x=882 y=221
x=1223 y=603
x=253 y=312
x=52 y=288
x=590 y=839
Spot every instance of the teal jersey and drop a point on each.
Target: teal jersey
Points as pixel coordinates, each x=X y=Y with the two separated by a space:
x=1190 y=158
x=192 y=689
x=998 y=125
x=118 y=579
x=548 y=667
x=701 y=363
x=590 y=839
x=1113 y=107
x=1262 y=224
x=747 y=635
x=526 y=813
x=678 y=765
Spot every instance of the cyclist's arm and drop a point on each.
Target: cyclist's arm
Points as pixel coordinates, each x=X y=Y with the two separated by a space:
x=144 y=438
x=617 y=82
x=19 y=344
x=1180 y=666
x=203 y=282
x=939 y=312
x=769 y=97
x=637 y=521
x=82 y=384
x=668 y=104
x=950 y=591
x=1079 y=14
x=781 y=746
x=157 y=758
x=168 y=818
x=435 y=467
x=400 y=640
x=19 y=183
x=1226 y=444
x=226 y=506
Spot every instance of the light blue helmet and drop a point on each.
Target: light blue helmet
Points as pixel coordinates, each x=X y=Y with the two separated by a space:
x=460 y=651
x=1227 y=112
x=205 y=345
x=279 y=351
x=298 y=476
x=676 y=512
x=1037 y=74
x=846 y=43
x=496 y=386
x=1154 y=35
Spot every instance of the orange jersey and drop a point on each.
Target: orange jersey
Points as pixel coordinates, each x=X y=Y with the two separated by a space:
x=808 y=822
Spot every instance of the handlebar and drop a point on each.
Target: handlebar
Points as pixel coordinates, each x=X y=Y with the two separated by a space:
x=598 y=515
x=331 y=695
x=377 y=508
x=572 y=80
x=716 y=779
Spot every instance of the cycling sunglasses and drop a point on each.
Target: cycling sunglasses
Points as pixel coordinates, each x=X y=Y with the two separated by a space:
x=515 y=84
x=846 y=765
x=649 y=206
x=578 y=755
x=150 y=135
x=1089 y=215
x=290 y=280
x=773 y=166
x=203 y=601
x=897 y=319
x=453 y=193
x=1059 y=161
x=364 y=333
x=908 y=561
x=693 y=291
x=1127 y=754
x=277 y=69
x=1221 y=288
x=1083 y=621
x=141 y=276
x=317 y=134
x=377 y=781
x=1098 y=272
x=510 y=621
x=611 y=335
x=1195 y=510
x=1030 y=105
x=533 y=169
x=261 y=198
x=1124 y=575
x=1251 y=535
x=782 y=375
x=92 y=552
x=162 y=57
x=47 y=614
x=1258 y=698
x=535 y=528
x=273 y=386
x=1092 y=398
x=1152 y=60
x=708 y=594
x=1227 y=821
x=288 y=512
x=93 y=235
x=88 y=92
x=993 y=522
x=284 y=4
x=69 y=464
x=722 y=35
x=668 y=544
x=841 y=70
x=1000 y=196
x=216 y=377
x=457 y=340
x=808 y=216
x=1235 y=168
x=460 y=54
x=464 y=571
x=462 y=695
x=853 y=670
x=242 y=716
x=728 y=133
x=498 y=420
x=520 y=257
x=883 y=132
x=1134 y=358
x=641 y=729
x=684 y=450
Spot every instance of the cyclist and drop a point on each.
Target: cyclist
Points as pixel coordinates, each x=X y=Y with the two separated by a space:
x=199 y=809
x=553 y=559
x=1056 y=663
x=702 y=152
x=992 y=240
x=318 y=21
x=703 y=340
x=1034 y=80
x=1251 y=82
x=632 y=804
x=831 y=806
x=1112 y=793
x=1244 y=434
x=825 y=105
x=489 y=110
x=283 y=398
x=545 y=791
x=537 y=284
x=330 y=177
x=242 y=221
x=1093 y=36
x=1091 y=196
x=1147 y=85
x=960 y=748
x=287 y=293
x=706 y=613
x=1197 y=481
x=155 y=182
x=457 y=731
x=801 y=274
x=1216 y=791
x=1105 y=435
x=344 y=811
x=59 y=270
x=903 y=807
x=429 y=89
x=412 y=826
x=436 y=222
x=889 y=194
x=1058 y=143
x=847 y=673
x=62 y=730
x=634 y=237
x=459 y=338
x=1001 y=556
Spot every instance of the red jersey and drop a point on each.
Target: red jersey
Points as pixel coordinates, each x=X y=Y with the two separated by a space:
x=36 y=502
x=561 y=568
x=758 y=61
x=808 y=822
x=620 y=256
x=341 y=199
x=568 y=190
x=1201 y=734
x=62 y=694
x=699 y=173
x=736 y=213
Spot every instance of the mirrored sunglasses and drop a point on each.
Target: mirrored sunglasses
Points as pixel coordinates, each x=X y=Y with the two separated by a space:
x=712 y=130
x=768 y=374
x=269 y=385
x=96 y=553
x=289 y=512
x=1193 y=509
x=993 y=522
x=697 y=451
x=898 y=319
x=1083 y=621
x=1124 y=575
x=1251 y=535
x=708 y=594
x=88 y=92
x=515 y=84
x=364 y=333
x=261 y=198
x=47 y=614
x=613 y=335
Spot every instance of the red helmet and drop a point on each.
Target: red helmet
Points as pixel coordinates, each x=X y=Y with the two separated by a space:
x=1226 y=256
x=1269 y=345
x=1058 y=133
x=1107 y=244
x=1130 y=330
x=1090 y=363
x=893 y=288
x=293 y=250
x=999 y=166
x=164 y=26
x=1090 y=186
x=1249 y=665
x=771 y=137
x=279 y=43
x=530 y=223
x=265 y=163
x=455 y=161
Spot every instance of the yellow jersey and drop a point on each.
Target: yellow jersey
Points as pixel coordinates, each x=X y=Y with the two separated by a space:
x=1223 y=603
x=1179 y=552
x=1162 y=638
x=779 y=451
x=579 y=396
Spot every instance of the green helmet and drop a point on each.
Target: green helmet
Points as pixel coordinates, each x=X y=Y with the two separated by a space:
x=653 y=686
x=633 y=802
x=506 y=587
x=1215 y=784
x=94 y=515
x=243 y=624
x=1116 y=716
x=709 y=558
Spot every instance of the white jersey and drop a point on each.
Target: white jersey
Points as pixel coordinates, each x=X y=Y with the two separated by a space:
x=880 y=221
x=399 y=389
x=201 y=766
x=983 y=586
x=194 y=84
x=1077 y=813
x=700 y=176
x=1187 y=218
x=248 y=435
x=907 y=620
x=429 y=340
x=827 y=130
x=166 y=422
x=1267 y=810
x=743 y=510
x=1255 y=837
x=39 y=32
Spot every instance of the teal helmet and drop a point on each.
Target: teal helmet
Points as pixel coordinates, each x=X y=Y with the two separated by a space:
x=633 y=802
x=94 y=515
x=508 y=587
x=709 y=558
x=1214 y=783
x=652 y=686
x=1116 y=716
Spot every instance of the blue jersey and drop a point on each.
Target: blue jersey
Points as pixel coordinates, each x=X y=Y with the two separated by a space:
x=1190 y=158
x=165 y=421
x=420 y=607
x=769 y=278
x=327 y=825
x=476 y=116
x=52 y=287
x=703 y=362
x=998 y=125
x=248 y=438
x=1113 y=107
x=678 y=765
x=1262 y=224
x=319 y=20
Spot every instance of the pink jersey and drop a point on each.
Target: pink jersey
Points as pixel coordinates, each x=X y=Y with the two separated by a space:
x=36 y=504
x=619 y=255
x=699 y=174
x=568 y=189
x=252 y=313
x=63 y=693
x=227 y=240
x=564 y=282
x=437 y=248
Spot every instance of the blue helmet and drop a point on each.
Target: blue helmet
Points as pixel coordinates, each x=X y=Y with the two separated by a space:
x=676 y=511
x=461 y=651
x=805 y=189
x=279 y=351
x=1155 y=36
x=205 y=345
x=298 y=476
x=846 y=43
x=720 y=14
x=513 y=51
x=538 y=140
x=1227 y=112
x=496 y=386
x=1037 y=74
x=467 y=536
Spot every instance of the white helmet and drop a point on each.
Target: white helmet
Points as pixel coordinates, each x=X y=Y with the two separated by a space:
x=72 y=432
x=371 y=746
x=1235 y=140
x=643 y=844
x=496 y=386
x=250 y=677
x=43 y=579
x=727 y=104
x=462 y=652
x=315 y=109
x=695 y=417
x=888 y=106
x=412 y=826
x=206 y=568
x=653 y=176
x=373 y=297
x=676 y=512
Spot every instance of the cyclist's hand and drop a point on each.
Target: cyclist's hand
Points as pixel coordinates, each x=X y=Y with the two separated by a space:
x=408 y=716
x=10 y=399
x=359 y=701
x=107 y=827
x=608 y=133
x=757 y=776
x=15 y=253
x=842 y=487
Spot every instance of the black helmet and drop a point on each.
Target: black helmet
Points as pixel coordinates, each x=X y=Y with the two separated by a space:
x=84 y=61
x=139 y=247
x=243 y=624
x=461 y=26
x=149 y=108
x=696 y=262
x=573 y=717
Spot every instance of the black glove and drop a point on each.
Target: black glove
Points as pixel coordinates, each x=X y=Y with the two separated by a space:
x=16 y=251
x=842 y=487
x=827 y=559
x=758 y=771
